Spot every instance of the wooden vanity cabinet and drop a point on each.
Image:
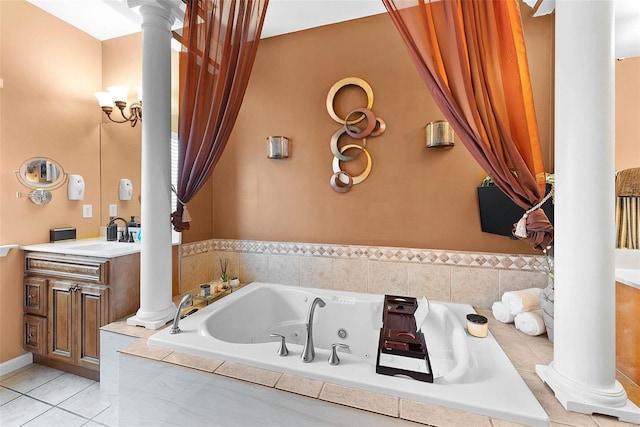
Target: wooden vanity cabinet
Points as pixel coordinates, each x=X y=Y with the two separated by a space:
x=67 y=299
x=76 y=313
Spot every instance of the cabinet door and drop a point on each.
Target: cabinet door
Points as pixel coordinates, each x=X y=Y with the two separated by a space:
x=35 y=334
x=91 y=306
x=35 y=296
x=61 y=320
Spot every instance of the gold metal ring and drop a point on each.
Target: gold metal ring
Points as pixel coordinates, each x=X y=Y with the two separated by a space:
x=355 y=81
x=371 y=123
x=341 y=188
x=334 y=144
x=356 y=179
x=380 y=127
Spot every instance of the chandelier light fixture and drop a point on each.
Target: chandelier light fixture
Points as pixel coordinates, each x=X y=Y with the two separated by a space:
x=118 y=95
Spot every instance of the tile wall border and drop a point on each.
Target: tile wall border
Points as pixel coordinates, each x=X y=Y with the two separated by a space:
x=512 y=262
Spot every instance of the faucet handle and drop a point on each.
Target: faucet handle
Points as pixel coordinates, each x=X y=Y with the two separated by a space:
x=333 y=357
x=283 y=350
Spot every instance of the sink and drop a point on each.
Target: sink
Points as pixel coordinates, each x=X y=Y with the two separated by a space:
x=102 y=246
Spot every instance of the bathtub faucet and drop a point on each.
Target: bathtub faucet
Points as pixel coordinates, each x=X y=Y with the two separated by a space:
x=186 y=301
x=308 y=353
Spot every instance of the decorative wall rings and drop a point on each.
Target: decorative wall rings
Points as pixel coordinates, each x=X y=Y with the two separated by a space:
x=356 y=179
x=355 y=81
x=371 y=123
x=379 y=128
x=334 y=144
x=341 y=188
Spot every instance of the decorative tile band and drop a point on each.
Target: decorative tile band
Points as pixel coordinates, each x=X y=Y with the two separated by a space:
x=517 y=262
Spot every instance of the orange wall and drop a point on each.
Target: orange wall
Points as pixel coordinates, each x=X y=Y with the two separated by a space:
x=414 y=197
x=628 y=113
x=50 y=71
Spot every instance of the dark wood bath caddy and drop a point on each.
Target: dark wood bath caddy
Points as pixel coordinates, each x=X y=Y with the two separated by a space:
x=402 y=349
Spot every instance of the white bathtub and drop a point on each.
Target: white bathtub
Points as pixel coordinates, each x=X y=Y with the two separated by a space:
x=470 y=374
x=628 y=267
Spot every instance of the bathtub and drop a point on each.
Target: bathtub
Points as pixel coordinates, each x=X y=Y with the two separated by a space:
x=470 y=374
x=628 y=267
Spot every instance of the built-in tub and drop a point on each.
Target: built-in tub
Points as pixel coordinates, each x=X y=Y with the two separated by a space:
x=470 y=374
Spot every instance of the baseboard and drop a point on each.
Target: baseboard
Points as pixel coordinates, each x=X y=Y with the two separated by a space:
x=15 y=363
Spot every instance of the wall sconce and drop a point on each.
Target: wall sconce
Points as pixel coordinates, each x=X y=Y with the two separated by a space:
x=439 y=134
x=277 y=147
x=118 y=95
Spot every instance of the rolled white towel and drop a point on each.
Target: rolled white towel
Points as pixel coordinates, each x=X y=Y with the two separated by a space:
x=524 y=300
x=530 y=322
x=502 y=313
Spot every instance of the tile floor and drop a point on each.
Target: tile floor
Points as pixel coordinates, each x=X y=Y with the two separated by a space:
x=40 y=396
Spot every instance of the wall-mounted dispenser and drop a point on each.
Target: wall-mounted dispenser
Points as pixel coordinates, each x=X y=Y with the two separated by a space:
x=75 y=187
x=126 y=189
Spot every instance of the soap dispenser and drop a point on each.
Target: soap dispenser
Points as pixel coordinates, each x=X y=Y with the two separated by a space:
x=112 y=230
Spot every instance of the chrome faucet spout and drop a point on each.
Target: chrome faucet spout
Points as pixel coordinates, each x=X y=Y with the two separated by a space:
x=186 y=301
x=309 y=352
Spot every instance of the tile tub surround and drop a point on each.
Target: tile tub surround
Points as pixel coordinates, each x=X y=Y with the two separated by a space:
x=472 y=278
x=471 y=374
x=524 y=352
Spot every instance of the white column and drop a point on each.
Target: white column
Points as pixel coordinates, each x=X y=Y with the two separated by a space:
x=156 y=305
x=582 y=374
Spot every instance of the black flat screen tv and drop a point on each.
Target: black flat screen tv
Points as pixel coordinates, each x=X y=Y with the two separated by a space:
x=498 y=213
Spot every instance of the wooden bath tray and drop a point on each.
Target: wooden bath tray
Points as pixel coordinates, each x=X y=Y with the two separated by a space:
x=402 y=349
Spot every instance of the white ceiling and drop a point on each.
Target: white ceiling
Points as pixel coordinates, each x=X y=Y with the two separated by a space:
x=106 y=19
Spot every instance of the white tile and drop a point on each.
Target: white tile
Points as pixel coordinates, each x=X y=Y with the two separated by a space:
x=284 y=269
x=21 y=410
x=60 y=388
x=31 y=378
x=109 y=416
x=7 y=395
x=56 y=417
x=90 y=401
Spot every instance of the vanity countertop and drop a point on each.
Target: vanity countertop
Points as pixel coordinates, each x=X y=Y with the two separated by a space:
x=97 y=247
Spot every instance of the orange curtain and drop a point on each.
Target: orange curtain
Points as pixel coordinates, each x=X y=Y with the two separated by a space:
x=472 y=56
x=220 y=41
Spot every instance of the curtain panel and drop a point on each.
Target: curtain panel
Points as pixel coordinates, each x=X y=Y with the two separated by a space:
x=472 y=57
x=220 y=40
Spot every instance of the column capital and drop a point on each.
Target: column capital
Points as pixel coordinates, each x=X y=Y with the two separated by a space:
x=171 y=10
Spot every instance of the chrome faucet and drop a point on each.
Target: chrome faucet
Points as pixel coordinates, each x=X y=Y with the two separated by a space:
x=186 y=301
x=308 y=353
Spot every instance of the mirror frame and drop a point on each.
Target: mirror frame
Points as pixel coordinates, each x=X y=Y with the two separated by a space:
x=23 y=173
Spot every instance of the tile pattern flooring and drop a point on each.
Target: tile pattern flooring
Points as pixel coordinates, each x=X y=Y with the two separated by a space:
x=40 y=396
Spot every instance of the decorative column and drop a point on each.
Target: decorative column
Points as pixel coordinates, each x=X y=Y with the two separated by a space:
x=156 y=305
x=582 y=374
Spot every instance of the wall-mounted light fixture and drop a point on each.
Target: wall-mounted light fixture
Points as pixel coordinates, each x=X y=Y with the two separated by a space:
x=118 y=95
x=277 y=147
x=439 y=134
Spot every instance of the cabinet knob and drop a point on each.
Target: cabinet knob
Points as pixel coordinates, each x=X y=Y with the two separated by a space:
x=29 y=297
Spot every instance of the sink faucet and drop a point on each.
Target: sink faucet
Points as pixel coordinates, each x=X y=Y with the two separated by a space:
x=186 y=301
x=112 y=230
x=308 y=353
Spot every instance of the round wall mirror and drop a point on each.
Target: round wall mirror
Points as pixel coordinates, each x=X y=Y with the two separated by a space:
x=40 y=172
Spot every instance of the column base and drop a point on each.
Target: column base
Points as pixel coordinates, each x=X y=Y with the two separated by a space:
x=154 y=320
x=576 y=397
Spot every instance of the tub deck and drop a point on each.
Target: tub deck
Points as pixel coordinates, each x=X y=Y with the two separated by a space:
x=496 y=390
